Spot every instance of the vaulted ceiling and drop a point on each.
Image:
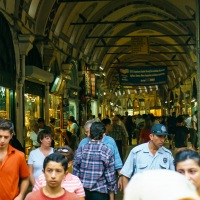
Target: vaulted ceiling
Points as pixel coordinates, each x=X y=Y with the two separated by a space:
x=101 y=32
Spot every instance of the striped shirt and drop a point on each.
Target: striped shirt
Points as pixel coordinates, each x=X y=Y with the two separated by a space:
x=71 y=183
x=94 y=165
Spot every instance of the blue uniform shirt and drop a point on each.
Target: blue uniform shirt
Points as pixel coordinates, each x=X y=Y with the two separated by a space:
x=141 y=159
x=110 y=142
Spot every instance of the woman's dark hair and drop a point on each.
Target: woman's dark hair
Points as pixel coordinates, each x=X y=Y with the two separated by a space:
x=97 y=130
x=42 y=134
x=185 y=155
x=56 y=157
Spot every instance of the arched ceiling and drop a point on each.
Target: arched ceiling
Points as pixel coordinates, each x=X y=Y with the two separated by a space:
x=101 y=32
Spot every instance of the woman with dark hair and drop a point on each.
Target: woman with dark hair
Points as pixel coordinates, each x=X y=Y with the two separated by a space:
x=38 y=155
x=187 y=162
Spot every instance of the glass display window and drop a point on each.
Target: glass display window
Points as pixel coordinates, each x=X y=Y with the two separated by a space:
x=55 y=103
x=32 y=113
x=4 y=103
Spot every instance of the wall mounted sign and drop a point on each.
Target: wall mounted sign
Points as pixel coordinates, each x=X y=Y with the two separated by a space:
x=140 y=45
x=147 y=75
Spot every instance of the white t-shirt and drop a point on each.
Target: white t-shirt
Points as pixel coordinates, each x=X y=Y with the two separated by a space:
x=36 y=158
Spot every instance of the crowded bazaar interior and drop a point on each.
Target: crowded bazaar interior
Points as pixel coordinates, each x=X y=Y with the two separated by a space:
x=62 y=58
x=107 y=88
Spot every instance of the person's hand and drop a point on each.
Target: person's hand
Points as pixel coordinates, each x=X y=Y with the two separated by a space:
x=19 y=197
x=120 y=183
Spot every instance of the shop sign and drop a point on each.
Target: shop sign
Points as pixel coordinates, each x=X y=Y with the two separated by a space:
x=143 y=75
x=93 y=87
x=88 y=82
x=140 y=45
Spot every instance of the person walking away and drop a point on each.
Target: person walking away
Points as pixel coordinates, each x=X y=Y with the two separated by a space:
x=14 y=171
x=119 y=135
x=94 y=165
x=109 y=142
x=129 y=128
x=181 y=135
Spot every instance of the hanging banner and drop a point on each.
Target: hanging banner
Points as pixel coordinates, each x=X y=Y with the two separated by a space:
x=87 y=82
x=143 y=75
x=93 y=85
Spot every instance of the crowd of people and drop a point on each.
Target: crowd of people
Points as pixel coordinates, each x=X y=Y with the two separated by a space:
x=95 y=167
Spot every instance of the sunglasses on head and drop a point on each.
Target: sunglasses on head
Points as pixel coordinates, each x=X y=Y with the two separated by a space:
x=61 y=150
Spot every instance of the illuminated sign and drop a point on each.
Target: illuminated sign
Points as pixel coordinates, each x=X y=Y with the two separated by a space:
x=143 y=75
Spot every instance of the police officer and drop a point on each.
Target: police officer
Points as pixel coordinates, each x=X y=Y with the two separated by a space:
x=148 y=156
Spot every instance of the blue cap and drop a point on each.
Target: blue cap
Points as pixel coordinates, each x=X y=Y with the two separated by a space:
x=159 y=129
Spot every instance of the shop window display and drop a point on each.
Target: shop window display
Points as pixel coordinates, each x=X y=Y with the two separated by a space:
x=4 y=103
x=55 y=103
x=32 y=112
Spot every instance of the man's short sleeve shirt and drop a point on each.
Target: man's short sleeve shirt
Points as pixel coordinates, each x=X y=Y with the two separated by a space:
x=141 y=159
x=13 y=168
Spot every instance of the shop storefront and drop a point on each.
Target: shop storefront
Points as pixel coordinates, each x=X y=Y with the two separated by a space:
x=33 y=108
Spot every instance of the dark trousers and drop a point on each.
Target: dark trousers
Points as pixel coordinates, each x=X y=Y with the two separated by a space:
x=130 y=138
x=93 y=195
x=119 y=146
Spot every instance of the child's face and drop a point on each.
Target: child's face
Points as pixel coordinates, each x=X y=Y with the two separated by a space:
x=54 y=174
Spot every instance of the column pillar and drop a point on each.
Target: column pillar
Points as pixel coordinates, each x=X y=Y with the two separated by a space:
x=46 y=106
x=25 y=44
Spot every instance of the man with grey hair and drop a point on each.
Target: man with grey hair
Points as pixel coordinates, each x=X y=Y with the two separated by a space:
x=109 y=141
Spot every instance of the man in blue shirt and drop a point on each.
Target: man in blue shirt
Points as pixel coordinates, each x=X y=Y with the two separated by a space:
x=148 y=156
x=109 y=141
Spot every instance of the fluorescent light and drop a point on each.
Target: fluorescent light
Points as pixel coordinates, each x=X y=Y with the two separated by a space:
x=101 y=67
